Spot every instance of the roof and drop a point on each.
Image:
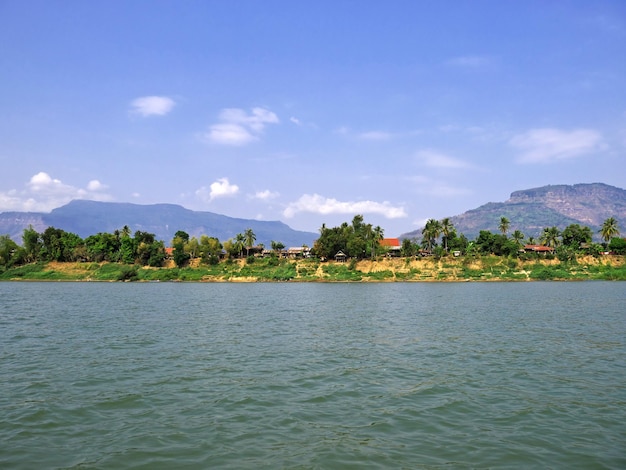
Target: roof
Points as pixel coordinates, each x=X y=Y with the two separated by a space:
x=538 y=248
x=390 y=242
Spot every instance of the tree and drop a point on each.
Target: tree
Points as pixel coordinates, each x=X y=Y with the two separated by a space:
x=408 y=248
x=550 y=236
x=447 y=229
x=609 y=229
x=277 y=247
x=210 y=249
x=574 y=235
x=504 y=225
x=103 y=247
x=31 y=241
x=52 y=246
x=239 y=243
x=180 y=256
x=518 y=236
x=377 y=235
x=618 y=246
x=10 y=252
x=431 y=232
x=184 y=236
x=250 y=238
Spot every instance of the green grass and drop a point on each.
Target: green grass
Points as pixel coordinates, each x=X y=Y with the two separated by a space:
x=272 y=270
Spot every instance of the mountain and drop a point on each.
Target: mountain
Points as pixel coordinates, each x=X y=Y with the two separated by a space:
x=532 y=210
x=86 y=218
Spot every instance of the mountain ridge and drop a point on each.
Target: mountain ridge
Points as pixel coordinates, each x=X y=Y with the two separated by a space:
x=531 y=210
x=528 y=210
x=85 y=218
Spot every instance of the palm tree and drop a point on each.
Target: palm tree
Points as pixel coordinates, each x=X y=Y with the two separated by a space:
x=504 y=225
x=446 y=229
x=250 y=238
x=609 y=229
x=377 y=236
x=518 y=236
x=239 y=239
x=431 y=232
x=550 y=236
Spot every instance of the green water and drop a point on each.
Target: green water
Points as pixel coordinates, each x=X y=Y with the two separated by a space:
x=170 y=375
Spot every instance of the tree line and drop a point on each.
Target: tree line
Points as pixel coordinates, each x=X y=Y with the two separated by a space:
x=357 y=240
x=121 y=246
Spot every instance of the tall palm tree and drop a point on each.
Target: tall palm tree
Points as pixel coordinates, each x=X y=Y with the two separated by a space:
x=550 y=236
x=377 y=236
x=250 y=238
x=239 y=241
x=431 y=232
x=447 y=228
x=609 y=229
x=504 y=225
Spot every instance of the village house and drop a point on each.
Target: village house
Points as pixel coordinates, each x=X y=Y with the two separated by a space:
x=392 y=246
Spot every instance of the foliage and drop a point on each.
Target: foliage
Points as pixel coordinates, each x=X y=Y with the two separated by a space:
x=497 y=244
x=618 y=246
x=575 y=235
x=550 y=236
x=357 y=240
x=609 y=229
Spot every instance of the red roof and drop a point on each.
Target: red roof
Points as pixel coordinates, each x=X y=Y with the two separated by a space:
x=390 y=242
x=538 y=248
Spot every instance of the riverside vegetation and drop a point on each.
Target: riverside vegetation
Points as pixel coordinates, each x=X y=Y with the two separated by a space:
x=441 y=255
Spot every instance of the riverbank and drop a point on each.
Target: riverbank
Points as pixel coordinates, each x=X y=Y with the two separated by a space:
x=484 y=268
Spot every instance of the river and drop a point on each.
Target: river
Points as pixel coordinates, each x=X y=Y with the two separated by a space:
x=312 y=375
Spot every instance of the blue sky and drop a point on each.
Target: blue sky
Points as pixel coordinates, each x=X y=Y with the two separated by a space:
x=309 y=112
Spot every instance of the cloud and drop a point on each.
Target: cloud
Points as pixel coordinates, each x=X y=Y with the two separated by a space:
x=321 y=205
x=218 y=189
x=436 y=159
x=152 y=105
x=42 y=193
x=295 y=120
x=240 y=128
x=547 y=145
x=95 y=185
x=266 y=195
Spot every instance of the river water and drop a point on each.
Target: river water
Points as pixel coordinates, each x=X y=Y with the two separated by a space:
x=312 y=375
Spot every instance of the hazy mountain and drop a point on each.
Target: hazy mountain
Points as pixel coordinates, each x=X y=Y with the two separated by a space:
x=532 y=210
x=86 y=218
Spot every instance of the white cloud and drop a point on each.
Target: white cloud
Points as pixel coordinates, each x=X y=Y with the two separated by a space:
x=547 y=145
x=240 y=128
x=436 y=159
x=321 y=205
x=95 y=185
x=42 y=193
x=295 y=120
x=266 y=195
x=152 y=105
x=217 y=189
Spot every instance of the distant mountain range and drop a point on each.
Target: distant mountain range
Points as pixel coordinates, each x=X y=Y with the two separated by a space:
x=529 y=210
x=532 y=210
x=86 y=218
